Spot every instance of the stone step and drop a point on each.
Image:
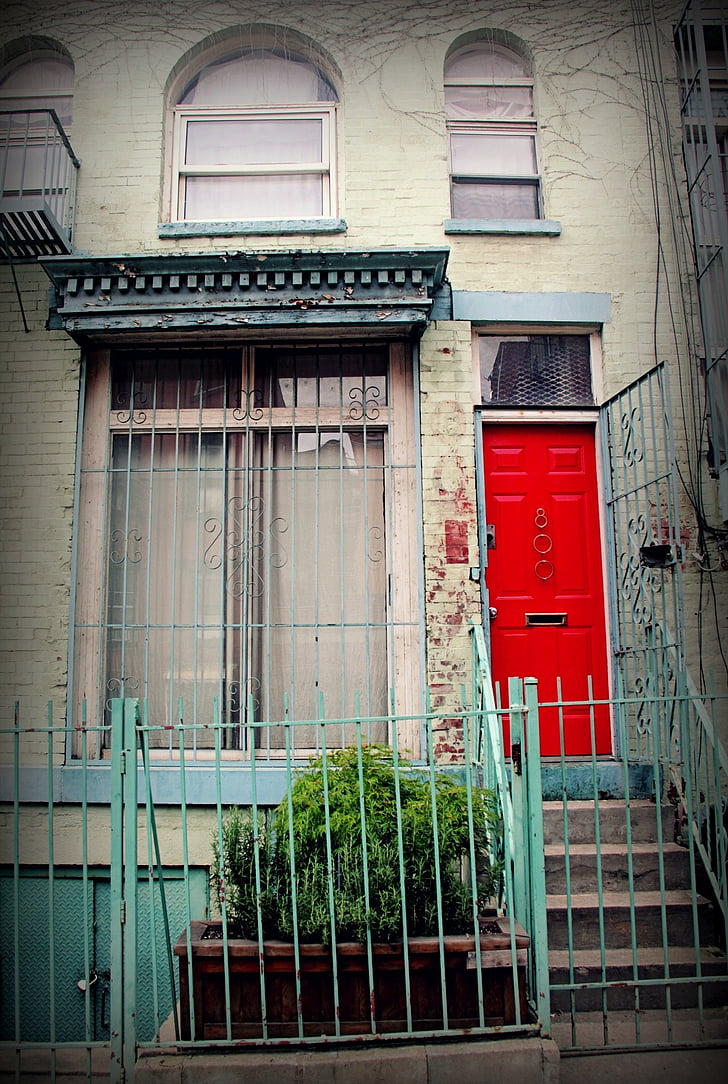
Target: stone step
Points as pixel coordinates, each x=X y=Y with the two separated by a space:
x=614 y=864
x=643 y=816
x=617 y=919
x=682 y=963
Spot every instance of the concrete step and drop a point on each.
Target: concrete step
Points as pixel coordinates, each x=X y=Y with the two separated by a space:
x=643 y=816
x=615 y=867
x=617 y=919
x=682 y=963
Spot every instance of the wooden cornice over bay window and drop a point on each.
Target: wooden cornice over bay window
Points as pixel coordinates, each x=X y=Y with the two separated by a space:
x=98 y=296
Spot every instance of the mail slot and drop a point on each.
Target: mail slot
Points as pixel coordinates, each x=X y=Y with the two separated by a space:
x=533 y=620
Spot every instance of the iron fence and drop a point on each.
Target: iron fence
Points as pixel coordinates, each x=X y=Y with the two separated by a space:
x=392 y=919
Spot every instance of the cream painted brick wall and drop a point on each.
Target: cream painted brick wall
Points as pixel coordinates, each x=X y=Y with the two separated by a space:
x=39 y=377
x=449 y=497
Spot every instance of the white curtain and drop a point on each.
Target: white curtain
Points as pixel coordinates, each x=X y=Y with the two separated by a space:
x=232 y=578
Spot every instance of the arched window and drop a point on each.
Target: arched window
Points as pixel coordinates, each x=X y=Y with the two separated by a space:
x=254 y=139
x=492 y=133
x=43 y=82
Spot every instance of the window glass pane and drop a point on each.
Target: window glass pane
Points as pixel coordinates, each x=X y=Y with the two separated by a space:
x=268 y=196
x=258 y=77
x=245 y=564
x=40 y=84
x=493 y=200
x=496 y=102
x=253 y=142
x=35 y=122
x=353 y=379
x=321 y=619
x=37 y=76
x=489 y=154
x=536 y=370
x=485 y=60
x=174 y=379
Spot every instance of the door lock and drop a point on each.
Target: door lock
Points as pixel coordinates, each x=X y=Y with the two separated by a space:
x=492 y=612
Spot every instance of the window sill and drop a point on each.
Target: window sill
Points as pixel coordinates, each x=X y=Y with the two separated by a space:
x=280 y=226
x=523 y=227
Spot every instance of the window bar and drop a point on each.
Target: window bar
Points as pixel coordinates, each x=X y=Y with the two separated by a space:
x=224 y=705
x=294 y=541
x=124 y=559
x=266 y=446
x=365 y=864
x=172 y=572
x=366 y=555
x=150 y=507
x=198 y=709
x=343 y=709
x=317 y=537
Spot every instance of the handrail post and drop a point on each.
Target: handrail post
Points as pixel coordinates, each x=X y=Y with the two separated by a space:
x=124 y=718
x=520 y=857
x=537 y=857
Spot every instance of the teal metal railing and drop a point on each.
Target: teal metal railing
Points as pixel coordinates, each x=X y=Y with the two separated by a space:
x=617 y=865
x=108 y=891
x=513 y=774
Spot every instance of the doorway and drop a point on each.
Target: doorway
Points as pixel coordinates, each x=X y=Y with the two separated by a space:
x=545 y=579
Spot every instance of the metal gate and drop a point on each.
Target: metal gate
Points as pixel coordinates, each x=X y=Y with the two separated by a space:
x=643 y=537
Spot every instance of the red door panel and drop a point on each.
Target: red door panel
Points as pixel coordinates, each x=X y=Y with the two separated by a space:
x=544 y=575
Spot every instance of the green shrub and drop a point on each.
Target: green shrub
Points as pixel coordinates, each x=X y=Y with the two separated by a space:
x=315 y=866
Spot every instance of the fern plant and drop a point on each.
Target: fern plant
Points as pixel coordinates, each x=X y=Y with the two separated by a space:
x=402 y=813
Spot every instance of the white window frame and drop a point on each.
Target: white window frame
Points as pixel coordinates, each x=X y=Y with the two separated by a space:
x=325 y=168
x=495 y=126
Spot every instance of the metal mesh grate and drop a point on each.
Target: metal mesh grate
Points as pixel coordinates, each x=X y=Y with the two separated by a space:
x=536 y=370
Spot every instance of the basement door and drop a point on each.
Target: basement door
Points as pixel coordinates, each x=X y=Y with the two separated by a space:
x=544 y=576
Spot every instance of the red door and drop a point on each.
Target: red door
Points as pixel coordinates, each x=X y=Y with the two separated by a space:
x=544 y=574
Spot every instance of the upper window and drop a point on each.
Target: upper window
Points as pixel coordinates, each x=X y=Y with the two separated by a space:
x=254 y=139
x=45 y=82
x=492 y=132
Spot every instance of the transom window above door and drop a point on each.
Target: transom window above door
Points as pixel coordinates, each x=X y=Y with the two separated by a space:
x=544 y=370
x=254 y=138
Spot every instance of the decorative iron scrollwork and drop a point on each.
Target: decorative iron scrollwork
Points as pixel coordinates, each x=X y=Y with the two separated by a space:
x=121 y=546
x=364 y=403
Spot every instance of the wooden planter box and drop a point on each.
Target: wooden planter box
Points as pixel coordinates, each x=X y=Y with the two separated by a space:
x=317 y=988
